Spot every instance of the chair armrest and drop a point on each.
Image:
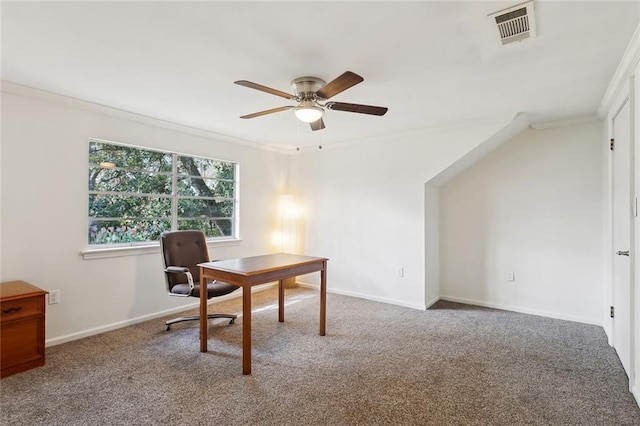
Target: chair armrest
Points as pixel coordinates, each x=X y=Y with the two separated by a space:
x=182 y=270
x=176 y=269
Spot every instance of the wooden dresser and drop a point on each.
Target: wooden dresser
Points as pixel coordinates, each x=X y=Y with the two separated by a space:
x=22 y=322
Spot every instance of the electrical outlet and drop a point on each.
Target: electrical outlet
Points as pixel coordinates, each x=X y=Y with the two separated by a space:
x=400 y=272
x=54 y=297
x=510 y=276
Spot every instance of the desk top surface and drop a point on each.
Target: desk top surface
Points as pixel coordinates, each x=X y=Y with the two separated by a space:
x=261 y=264
x=11 y=289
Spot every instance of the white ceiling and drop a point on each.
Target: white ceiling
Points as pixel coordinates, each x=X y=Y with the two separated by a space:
x=430 y=63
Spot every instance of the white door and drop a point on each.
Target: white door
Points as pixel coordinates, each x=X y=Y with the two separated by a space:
x=622 y=212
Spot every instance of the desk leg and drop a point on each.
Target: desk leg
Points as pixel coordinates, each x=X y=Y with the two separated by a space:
x=323 y=299
x=203 y=312
x=246 y=329
x=281 y=301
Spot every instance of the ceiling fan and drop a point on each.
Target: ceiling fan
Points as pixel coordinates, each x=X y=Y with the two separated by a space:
x=311 y=94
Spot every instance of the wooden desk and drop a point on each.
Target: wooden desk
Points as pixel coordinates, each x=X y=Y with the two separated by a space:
x=249 y=271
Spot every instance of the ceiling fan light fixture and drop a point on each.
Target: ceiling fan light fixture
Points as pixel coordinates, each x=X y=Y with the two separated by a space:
x=308 y=113
x=312 y=94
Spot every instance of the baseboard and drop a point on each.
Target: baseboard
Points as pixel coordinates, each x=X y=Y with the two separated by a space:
x=366 y=296
x=522 y=310
x=432 y=302
x=461 y=300
x=307 y=285
x=116 y=325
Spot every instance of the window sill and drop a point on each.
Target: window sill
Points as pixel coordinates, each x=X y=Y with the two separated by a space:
x=105 y=253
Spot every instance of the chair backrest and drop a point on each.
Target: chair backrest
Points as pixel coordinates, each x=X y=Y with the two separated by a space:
x=186 y=249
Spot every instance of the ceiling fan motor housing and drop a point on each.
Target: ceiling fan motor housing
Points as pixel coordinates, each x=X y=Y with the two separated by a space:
x=305 y=88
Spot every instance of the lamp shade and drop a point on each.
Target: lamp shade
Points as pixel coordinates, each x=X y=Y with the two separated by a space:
x=308 y=113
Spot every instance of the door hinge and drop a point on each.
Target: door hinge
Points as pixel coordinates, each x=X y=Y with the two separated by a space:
x=612 y=143
x=611 y=312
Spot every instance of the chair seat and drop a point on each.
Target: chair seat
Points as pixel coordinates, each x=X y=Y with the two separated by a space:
x=214 y=289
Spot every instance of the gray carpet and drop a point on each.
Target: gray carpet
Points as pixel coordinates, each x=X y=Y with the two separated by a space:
x=378 y=365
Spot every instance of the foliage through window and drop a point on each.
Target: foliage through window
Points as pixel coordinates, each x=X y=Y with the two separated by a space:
x=136 y=194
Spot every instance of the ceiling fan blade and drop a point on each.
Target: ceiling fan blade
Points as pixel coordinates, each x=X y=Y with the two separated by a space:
x=262 y=88
x=340 y=84
x=361 y=109
x=268 y=111
x=317 y=125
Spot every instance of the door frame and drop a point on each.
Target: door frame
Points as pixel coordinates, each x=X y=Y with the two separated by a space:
x=624 y=96
x=624 y=83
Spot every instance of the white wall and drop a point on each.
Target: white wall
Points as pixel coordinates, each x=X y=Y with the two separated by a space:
x=364 y=207
x=432 y=201
x=533 y=207
x=44 y=215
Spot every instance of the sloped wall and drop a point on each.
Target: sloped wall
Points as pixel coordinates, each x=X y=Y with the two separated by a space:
x=531 y=207
x=364 y=207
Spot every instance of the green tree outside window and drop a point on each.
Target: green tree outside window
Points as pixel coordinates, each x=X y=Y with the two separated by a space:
x=136 y=194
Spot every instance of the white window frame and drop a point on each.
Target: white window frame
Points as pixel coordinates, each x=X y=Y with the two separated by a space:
x=144 y=247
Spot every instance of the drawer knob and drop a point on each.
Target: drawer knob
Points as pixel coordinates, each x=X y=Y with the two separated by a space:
x=6 y=311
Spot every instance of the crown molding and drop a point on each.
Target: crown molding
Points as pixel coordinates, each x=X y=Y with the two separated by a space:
x=627 y=64
x=568 y=122
x=43 y=95
x=442 y=128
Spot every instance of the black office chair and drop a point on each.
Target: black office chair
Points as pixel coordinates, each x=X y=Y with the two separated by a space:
x=181 y=253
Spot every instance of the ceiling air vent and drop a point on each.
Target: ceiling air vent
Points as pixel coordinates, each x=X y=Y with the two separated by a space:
x=514 y=24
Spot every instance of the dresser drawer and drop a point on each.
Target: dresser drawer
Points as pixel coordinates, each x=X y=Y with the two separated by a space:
x=21 y=342
x=20 y=308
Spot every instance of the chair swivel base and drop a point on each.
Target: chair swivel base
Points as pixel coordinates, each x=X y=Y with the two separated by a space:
x=197 y=318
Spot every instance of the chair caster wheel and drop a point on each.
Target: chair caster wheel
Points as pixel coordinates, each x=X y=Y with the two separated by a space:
x=168 y=328
x=233 y=321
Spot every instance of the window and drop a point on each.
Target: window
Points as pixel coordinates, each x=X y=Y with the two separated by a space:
x=136 y=194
